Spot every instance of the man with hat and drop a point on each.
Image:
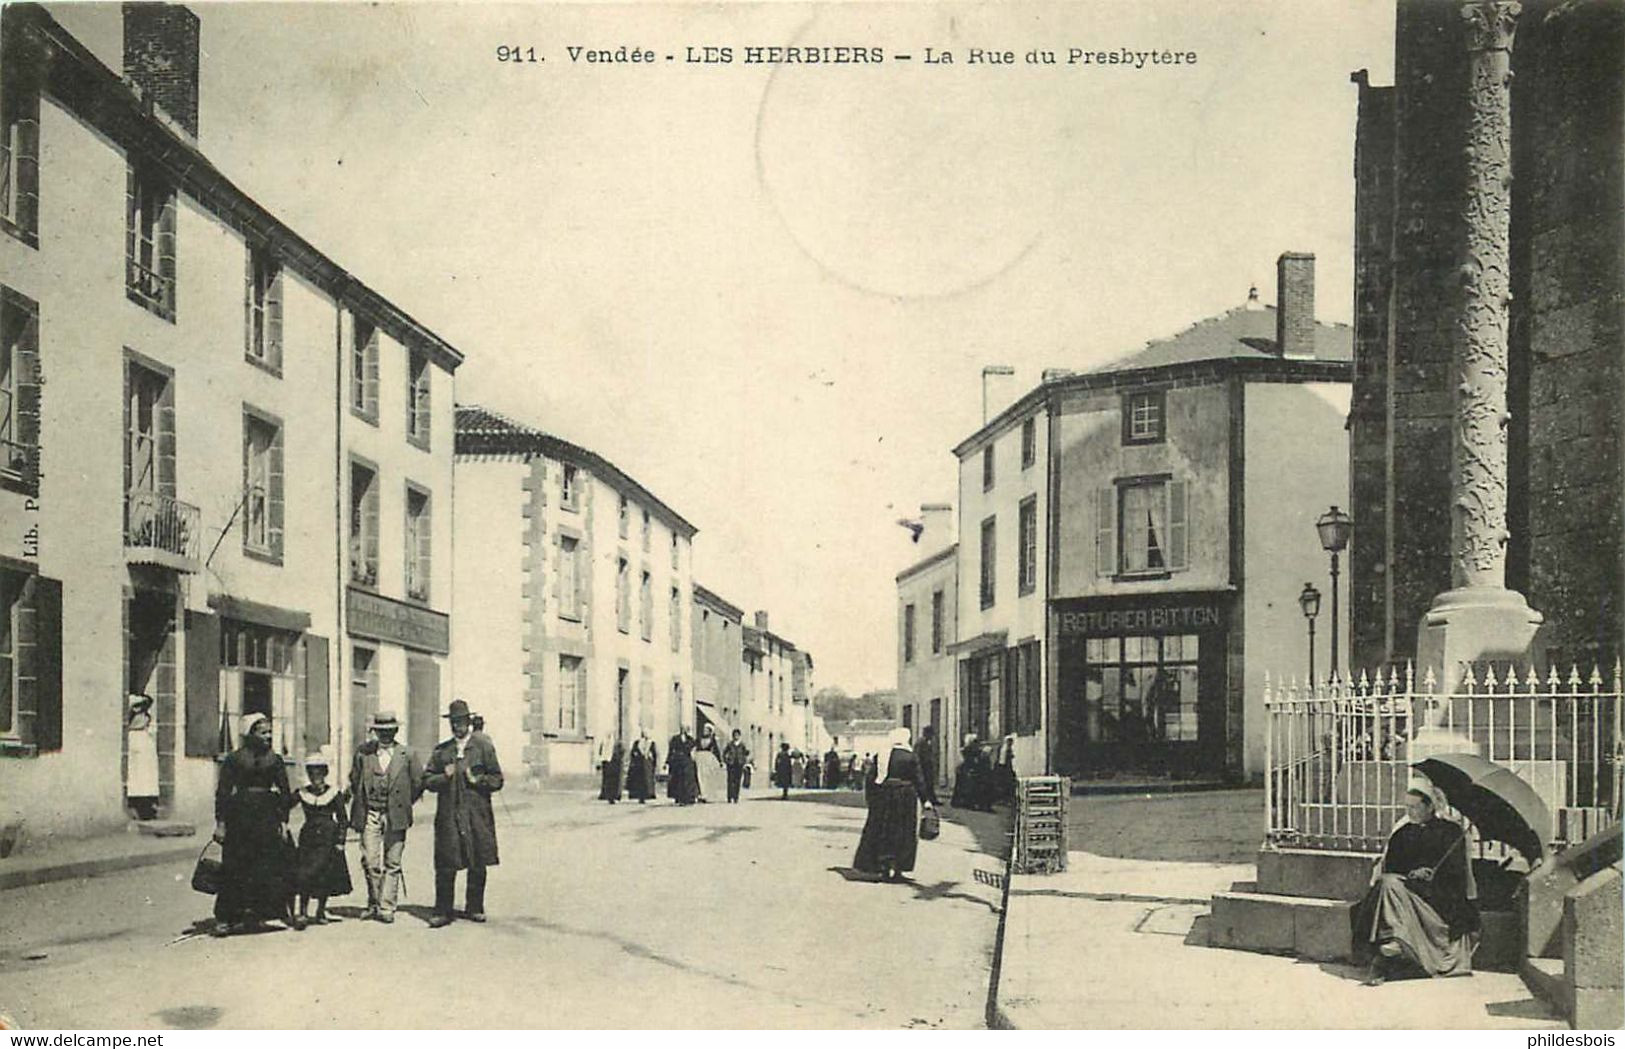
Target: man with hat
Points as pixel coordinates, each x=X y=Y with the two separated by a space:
x=385 y=780
x=464 y=772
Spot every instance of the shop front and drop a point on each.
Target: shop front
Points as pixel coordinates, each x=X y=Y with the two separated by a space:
x=1141 y=684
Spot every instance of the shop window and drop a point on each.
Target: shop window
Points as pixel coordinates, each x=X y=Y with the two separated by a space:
x=257 y=676
x=149 y=241
x=1144 y=417
x=1141 y=689
x=364 y=371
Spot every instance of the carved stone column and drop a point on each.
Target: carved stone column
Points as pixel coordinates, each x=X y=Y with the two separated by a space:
x=1479 y=618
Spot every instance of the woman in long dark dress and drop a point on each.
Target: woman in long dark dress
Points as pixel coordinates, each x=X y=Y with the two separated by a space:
x=319 y=870
x=682 y=783
x=251 y=801
x=890 y=834
x=610 y=786
x=640 y=781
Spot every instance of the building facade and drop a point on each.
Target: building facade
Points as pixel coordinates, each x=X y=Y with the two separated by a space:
x=927 y=610
x=1174 y=527
x=1565 y=496
x=718 y=656
x=579 y=589
x=173 y=387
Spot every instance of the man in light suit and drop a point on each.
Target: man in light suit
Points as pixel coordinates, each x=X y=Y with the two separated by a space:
x=385 y=780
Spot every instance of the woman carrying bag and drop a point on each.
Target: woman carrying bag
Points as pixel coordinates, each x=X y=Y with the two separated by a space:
x=897 y=783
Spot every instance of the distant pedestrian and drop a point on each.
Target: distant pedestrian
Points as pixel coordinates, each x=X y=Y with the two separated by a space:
x=141 y=768
x=783 y=770
x=809 y=775
x=925 y=751
x=251 y=813
x=319 y=867
x=889 y=843
x=832 y=769
x=709 y=773
x=464 y=772
x=610 y=774
x=682 y=784
x=385 y=781
x=640 y=774
x=735 y=756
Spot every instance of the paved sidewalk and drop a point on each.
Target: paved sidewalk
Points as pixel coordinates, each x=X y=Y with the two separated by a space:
x=1116 y=943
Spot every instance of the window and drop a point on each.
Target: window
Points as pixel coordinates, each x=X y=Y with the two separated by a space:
x=418 y=545
x=623 y=595
x=11 y=608
x=1027 y=542
x=262 y=306
x=1144 y=417
x=19 y=391
x=908 y=633
x=1141 y=528
x=569 y=488
x=1029 y=443
x=936 y=622
x=258 y=665
x=1023 y=709
x=262 y=486
x=1141 y=688
x=646 y=606
x=981 y=692
x=149 y=242
x=674 y=615
x=572 y=693
x=626 y=518
x=676 y=552
x=364 y=692
x=569 y=578
x=987 y=467
x=363 y=525
x=648 y=531
x=364 y=371
x=990 y=545
x=417 y=399
x=19 y=152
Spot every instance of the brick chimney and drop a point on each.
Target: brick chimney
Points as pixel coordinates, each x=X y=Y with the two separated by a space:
x=1295 y=305
x=161 y=60
x=761 y=621
x=938 y=519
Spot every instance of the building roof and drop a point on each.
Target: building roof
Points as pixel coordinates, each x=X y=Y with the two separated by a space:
x=707 y=596
x=921 y=565
x=101 y=98
x=1240 y=340
x=482 y=431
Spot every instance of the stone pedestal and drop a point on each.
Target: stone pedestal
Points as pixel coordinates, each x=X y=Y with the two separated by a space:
x=1470 y=625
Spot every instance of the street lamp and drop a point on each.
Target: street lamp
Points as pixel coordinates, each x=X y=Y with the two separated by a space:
x=992 y=369
x=1309 y=601
x=1334 y=527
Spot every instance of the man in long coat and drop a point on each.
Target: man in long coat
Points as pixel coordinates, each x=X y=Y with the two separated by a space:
x=385 y=781
x=464 y=772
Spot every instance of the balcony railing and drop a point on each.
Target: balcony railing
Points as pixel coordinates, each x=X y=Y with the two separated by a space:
x=150 y=287
x=1338 y=753
x=162 y=530
x=19 y=461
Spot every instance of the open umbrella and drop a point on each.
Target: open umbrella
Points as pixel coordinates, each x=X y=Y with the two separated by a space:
x=1501 y=804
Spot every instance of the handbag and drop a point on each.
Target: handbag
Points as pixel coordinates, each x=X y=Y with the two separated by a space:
x=207 y=873
x=930 y=825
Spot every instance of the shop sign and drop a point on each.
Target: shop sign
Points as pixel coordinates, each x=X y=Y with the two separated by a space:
x=384 y=619
x=1173 y=618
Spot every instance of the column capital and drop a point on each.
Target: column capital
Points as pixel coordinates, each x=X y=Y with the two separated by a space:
x=1491 y=24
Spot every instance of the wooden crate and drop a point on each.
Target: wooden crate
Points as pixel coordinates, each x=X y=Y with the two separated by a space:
x=1041 y=814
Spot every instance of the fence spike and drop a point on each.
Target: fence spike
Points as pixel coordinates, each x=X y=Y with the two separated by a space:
x=1553 y=681
x=1595 y=680
x=1410 y=676
x=1489 y=677
x=1393 y=678
x=1617 y=677
x=1363 y=681
x=1512 y=677
x=1574 y=678
x=1532 y=679
x=1429 y=682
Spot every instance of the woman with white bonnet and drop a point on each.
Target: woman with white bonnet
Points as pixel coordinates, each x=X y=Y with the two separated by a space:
x=141 y=765
x=895 y=787
x=251 y=802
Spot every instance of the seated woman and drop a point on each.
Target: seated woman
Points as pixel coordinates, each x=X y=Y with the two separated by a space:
x=1422 y=906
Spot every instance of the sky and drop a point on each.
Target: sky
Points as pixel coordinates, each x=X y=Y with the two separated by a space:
x=768 y=291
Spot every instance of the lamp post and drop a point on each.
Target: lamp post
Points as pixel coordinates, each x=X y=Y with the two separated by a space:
x=992 y=369
x=1309 y=601
x=1334 y=527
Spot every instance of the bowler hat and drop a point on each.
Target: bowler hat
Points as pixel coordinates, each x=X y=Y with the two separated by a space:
x=458 y=709
x=383 y=719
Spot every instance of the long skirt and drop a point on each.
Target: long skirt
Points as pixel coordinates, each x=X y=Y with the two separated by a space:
x=1391 y=911
x=610 y=785
x=890 y=834
x=255 y=862
x=639 y=784
x=319 y=867
x=713 y=778
x=682 y=786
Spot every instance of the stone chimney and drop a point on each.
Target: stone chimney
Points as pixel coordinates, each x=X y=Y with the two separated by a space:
x=938 y=533
x=761 y=621
x=1295 y=305
x=161 y=60
x=1057 y=374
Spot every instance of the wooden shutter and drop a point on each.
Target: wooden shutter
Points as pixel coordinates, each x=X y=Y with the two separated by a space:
x=578 y=572
x=422 y=704
x=131 y=217
x=1177 y=529
x=274 y=494
x=273 y=313
x=202 y=685
x=45 y=595
x=369 y=382
x=425 y=545
x=318 y=713
x=26 y=408
x=1106 y=531
x=369 y=517
x=25 y=190
x=248 y=301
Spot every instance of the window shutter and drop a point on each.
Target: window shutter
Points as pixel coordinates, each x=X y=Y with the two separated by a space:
x=166 y=248
x=273 y=314
x=248 y=300
x=425 y=544
x=369 y=515
x=369 y=384
x=26 y=426
x=45 y=595
x=1106 y=531
x=202 y=685
x=274 y=496
x=1177 y=529
x=563 y=555
x=318 y=714
x=26 y=190
x=130 y=210
x=578 y=572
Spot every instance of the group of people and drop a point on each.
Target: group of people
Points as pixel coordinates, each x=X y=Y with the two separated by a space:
x=266 y=876
x=698 y=770
x=986 y=774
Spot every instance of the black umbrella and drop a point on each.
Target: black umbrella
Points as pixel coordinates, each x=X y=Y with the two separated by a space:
x=1499 y=802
